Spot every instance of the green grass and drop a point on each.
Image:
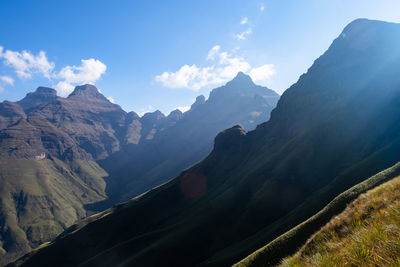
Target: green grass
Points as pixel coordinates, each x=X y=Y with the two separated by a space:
x=289 y=242
x=41 y=198
x=367 y=233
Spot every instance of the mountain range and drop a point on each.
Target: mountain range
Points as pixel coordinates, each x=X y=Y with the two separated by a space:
x=332 y=129
x=59 y=155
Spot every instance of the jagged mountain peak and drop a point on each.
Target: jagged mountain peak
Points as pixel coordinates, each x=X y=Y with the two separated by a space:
x=241 y=79
x=241 y=85
x=175 y=113
x=200 y=100
x=153 y=115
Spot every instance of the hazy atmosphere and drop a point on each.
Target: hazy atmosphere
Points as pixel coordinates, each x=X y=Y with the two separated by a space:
x=148 y=55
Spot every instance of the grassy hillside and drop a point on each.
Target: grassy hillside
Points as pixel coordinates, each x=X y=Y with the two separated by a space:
x=41 y=198
x=367 y=233
x=289 y=242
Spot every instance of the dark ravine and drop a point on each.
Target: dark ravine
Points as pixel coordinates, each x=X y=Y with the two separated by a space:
x=51 y=147
x=334 y=128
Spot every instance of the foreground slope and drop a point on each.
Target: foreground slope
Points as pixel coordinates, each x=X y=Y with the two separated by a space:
x=365 y=234
x=335 y=127
x=290 y=242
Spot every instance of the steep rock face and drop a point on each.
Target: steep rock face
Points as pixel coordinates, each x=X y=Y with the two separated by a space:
x=133 y=128
x=10 y=113
x=48 y=171
x=96 y=124
x=176 y=142
x=151 y=123
x=335 y=127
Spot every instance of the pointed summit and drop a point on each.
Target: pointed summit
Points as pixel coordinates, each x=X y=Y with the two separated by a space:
x=241 y=79
x=241 y=85
x=156 y=115
x=42 y=95
x=175 y=113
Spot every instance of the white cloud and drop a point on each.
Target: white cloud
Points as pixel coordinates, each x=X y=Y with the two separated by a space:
x=7 y=79
x=89 y=71
x=1 y=89
x=243 y=35
x=191 y=77
x=224 y=67
x=244 y=20
x=26 y=64
x=111 y=99
x=183 y=109
x=262 y=73
x=213 y=52
x=262 y=7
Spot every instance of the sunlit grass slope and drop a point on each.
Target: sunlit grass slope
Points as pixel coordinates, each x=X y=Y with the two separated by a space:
x=367 y=233
x=368 y=227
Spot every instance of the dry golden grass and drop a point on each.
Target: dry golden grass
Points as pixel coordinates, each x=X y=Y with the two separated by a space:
x=367 y=233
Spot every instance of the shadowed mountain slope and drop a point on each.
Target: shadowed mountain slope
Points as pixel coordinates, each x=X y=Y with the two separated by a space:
x=50 y=146
x=335 y=127
x=138 y=168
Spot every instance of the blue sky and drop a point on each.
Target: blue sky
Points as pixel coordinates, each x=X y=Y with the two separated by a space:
x=150 y=55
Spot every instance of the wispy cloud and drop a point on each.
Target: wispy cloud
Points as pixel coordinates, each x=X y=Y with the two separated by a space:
x=7 y=79
x=244 y=20
x=224 y=66
x=1 y=89
x=26 y=65
x=243 y=35
x=89 y=71
x=263 y=72
x=262 y=7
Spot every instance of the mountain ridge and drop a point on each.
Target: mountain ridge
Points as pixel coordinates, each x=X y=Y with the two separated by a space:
x=58 y=143
x=318 y=143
